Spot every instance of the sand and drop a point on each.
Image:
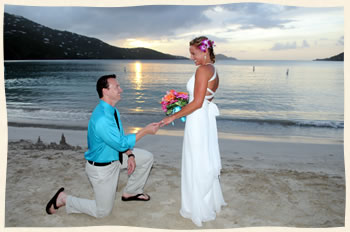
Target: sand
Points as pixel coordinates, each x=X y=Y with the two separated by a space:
x=265 y=182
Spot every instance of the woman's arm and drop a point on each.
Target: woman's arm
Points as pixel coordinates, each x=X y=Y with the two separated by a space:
x=200 y=90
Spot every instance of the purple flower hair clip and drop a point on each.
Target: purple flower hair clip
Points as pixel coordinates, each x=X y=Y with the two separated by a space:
x=206 y=44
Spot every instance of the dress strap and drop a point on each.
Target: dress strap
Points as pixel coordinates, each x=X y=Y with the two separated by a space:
x=214 y=75
x=211 y=95
x=209 y=90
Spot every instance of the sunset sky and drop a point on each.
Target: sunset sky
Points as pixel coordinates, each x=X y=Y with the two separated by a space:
x=246 y=31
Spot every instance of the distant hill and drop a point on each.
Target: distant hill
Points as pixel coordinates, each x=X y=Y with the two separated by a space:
x=339 y=57
x=223 y=57
x=25 y=39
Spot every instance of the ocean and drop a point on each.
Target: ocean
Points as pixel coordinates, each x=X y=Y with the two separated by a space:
x=255 y=97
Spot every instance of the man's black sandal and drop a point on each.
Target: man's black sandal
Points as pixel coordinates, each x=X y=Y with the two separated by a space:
x=53 y=201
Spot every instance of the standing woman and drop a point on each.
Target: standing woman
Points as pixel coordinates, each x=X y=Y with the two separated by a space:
x=201 y=195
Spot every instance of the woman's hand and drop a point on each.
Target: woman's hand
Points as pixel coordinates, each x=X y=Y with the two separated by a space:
x=167 y=120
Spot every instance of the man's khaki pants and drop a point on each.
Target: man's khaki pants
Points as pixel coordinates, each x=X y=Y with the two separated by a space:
x=104 y=180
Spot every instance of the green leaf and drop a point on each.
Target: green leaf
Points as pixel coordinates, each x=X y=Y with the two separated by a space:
x=169 y=112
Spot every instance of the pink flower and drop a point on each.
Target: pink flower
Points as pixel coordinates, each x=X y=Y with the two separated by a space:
x=183 y=96
x=173 y=101
x=206 y=44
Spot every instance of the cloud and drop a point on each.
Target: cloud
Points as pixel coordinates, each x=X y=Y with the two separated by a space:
x=305 y=44
x=289 y=45
x=116 y=22
x=285 y=46
x=154 y=22
x=258 y=15
x=341 y=41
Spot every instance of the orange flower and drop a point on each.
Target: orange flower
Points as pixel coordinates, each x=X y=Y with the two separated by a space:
x=169 y=97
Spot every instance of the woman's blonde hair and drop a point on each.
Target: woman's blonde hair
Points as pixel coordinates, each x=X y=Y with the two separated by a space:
x=198 y=42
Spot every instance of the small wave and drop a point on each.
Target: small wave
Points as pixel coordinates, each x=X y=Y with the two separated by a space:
x=326 y=124
x=143 y=113
x=282 y=122
x=47 y=126
x=35 y=113
x=31 y=109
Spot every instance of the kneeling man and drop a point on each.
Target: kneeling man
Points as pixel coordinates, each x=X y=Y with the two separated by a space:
x=107 y=144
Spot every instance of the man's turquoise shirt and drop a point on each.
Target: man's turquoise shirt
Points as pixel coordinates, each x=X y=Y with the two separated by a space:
x=104 y=138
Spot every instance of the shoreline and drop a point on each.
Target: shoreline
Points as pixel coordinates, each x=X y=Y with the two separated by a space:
x=78 y=135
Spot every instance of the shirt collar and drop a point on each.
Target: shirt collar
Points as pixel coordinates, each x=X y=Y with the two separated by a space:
x=107 y=106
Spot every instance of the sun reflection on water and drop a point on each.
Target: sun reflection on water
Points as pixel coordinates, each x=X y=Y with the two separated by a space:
x=134 y=130
x=138 y=76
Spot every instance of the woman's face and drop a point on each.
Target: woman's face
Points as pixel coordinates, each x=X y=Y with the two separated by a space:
x=197 y=55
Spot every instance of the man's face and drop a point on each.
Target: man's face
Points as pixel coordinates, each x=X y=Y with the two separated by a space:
x=114 y=90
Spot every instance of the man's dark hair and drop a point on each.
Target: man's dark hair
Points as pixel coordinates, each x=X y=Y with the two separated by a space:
x=102 y=83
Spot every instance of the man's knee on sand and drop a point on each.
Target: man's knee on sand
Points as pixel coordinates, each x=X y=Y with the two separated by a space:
x=143 y=155
x=101 y=213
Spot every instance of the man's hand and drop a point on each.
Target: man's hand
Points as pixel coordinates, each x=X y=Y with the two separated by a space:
x=131 y=165
x=152 y=128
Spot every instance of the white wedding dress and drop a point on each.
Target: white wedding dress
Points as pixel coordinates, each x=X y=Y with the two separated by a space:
x=201 y=195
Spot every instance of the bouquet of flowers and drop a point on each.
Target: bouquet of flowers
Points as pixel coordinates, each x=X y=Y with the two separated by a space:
x=173 y=101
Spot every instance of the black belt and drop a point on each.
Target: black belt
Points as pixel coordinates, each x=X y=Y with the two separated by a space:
x=99 y=164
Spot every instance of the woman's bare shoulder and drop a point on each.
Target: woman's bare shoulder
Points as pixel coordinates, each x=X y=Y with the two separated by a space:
x=205 y=70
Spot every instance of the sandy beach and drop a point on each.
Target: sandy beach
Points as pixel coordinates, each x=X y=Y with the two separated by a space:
x=284 y=182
